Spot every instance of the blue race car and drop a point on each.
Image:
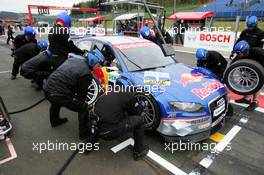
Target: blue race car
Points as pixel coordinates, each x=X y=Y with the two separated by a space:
x=182 y=102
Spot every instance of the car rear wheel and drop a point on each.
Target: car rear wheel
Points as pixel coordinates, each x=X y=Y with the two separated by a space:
x=94 y=91
x=151 y=111
x=244 y=77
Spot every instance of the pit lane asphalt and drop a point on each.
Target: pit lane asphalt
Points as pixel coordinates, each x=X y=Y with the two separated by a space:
x=246 y=156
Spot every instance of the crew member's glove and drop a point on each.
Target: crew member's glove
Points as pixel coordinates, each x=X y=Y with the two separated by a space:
x=85 y=53
x=232 y=55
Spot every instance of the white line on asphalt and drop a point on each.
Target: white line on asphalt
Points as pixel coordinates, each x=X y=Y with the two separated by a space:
x=3 y=72
x=123 y=145
x=173 y=169
x=227 y=139
x=164 y=163
x=244 y=105
x=206 y=162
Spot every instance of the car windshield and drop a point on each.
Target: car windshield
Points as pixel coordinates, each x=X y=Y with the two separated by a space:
x=143 y=58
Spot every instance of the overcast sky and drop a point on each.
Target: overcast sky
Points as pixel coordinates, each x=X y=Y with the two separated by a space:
x=21 y=5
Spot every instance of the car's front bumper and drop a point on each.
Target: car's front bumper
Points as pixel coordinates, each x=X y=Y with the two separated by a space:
x=196 y=129
x=197 y=137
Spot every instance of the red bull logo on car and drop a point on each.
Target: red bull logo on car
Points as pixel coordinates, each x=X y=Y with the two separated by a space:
x=208 y=89
x=187 y=78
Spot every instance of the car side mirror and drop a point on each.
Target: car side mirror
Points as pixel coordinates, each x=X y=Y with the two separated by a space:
x=167 y=49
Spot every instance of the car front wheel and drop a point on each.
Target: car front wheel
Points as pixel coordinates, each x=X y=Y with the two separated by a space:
x=151 y=112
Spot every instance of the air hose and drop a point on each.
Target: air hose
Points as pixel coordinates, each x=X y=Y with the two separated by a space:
x=28 y=108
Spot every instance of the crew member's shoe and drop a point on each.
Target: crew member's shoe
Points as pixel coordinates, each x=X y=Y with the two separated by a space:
x=139 y=155
x=13 y=77
x=243 y=100
x=252 y=106
x=84 y=135
x=59 y=122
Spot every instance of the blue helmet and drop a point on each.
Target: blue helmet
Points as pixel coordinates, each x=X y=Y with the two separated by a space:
x=65 y=18
x=201 y=54
x=43 y=44
x=29 y=32
x=252 y=21
x=145 y=31
x=95 y=57
x=241 y=47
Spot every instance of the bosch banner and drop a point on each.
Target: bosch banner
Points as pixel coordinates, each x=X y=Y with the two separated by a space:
x=223 y=41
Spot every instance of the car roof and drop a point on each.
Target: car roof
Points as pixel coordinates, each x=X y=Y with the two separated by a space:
x=128 y=16
x=118 y=39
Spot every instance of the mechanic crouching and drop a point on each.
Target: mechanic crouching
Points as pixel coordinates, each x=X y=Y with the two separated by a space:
x=243 y=51
x=26 y=52
x=38 y=68
x=120 y=113
x=68 y=86
x=211 y=60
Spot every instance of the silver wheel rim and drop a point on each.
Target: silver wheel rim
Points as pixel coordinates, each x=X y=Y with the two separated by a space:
x=243 y=79
x=149 y=113
x=92 y=93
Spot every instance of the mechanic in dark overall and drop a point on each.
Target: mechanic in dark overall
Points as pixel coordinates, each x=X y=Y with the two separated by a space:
x=68 y=86
x=28 y=37
x=26 y=52
x=243 y=51
x=118 y=114
x=38 y=68
x=10 y=33
x=211 y=60
x=253 y=35
x=60 y=45
x=146 y=33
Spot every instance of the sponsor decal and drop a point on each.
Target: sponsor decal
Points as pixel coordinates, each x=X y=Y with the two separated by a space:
x=221 y=38
x=133 y=45
x=187 y=78
x=157 y=78
x=208 y=89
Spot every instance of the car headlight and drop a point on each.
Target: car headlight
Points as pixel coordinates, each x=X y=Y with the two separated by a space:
x=187 y=107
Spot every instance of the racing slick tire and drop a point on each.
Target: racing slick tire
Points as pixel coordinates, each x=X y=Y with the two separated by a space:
x=151 y=112
x=95 y=90
x=244 y=77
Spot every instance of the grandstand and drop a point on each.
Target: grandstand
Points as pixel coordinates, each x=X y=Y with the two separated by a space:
x=229 y=9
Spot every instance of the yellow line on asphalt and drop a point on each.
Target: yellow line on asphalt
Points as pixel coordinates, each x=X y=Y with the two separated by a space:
x=217 y=137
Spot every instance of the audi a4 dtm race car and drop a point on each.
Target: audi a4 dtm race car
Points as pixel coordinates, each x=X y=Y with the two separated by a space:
x=183 y=102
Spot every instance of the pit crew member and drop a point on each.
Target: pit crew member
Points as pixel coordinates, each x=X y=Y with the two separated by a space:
x=60 y=45
x=26 y=52
x=119 y=113
x=243 y=50
x=211 y=60
x=68 y=86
